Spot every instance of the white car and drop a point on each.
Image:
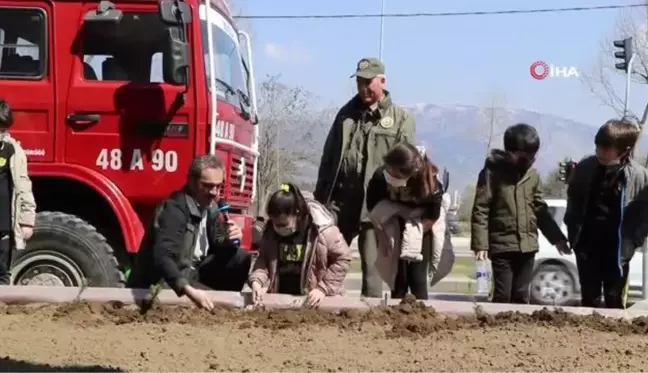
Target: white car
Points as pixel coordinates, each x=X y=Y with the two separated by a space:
x=555 y=279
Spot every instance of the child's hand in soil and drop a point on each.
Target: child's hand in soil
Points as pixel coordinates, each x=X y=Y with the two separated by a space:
x=257 y=293
x=314 y=298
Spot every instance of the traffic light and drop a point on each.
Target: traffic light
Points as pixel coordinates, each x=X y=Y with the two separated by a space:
x=565 y=168
x=625 y=54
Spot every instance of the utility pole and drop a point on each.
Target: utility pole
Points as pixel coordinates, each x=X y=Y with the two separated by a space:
x=277 y=156
x=382 y=28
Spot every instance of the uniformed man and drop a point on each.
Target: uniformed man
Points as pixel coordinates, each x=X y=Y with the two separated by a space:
x=362 y=133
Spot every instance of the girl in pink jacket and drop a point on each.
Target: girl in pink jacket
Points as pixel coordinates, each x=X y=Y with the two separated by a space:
x=302 y=251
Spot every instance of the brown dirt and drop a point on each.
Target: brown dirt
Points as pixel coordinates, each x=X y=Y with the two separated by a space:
x=408 y=337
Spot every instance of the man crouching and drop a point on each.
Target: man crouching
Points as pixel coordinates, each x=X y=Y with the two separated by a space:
x=188 y=244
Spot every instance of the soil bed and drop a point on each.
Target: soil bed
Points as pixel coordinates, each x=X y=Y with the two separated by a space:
x=408 y=337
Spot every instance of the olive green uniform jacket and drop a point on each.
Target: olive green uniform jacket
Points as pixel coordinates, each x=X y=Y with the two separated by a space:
x=354 y=148
x=509 y=209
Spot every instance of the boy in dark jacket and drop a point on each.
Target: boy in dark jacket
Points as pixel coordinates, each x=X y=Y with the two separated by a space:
x=508 y=210
x=606 y=214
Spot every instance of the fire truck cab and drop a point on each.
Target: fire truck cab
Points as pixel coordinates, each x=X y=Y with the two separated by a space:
x=111 y=102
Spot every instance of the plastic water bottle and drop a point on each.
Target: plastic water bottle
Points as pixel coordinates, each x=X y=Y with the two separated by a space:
x=482 y=276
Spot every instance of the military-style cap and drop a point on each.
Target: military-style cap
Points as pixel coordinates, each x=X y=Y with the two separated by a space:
x=369 y=68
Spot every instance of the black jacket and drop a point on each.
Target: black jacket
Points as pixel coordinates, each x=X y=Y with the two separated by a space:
x=167 y=248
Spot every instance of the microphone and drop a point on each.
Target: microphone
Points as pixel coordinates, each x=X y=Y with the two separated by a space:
x=223 y=208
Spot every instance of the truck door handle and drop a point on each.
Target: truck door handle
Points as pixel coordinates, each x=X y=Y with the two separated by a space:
x=83 y=119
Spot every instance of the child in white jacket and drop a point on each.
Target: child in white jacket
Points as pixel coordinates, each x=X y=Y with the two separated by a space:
x=407 y=187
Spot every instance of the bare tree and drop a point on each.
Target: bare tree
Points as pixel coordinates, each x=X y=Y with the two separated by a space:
x=493 y=119
x=291 y=135
x=600 y=79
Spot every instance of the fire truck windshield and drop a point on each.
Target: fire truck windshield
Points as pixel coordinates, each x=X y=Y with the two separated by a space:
x=230 y=74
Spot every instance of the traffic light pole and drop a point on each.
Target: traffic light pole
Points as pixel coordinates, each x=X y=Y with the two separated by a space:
x=626 y=104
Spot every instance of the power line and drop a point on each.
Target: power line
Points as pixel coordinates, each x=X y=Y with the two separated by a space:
x=445 y=14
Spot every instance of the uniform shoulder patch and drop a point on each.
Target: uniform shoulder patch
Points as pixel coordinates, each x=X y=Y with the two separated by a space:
x=387 y=122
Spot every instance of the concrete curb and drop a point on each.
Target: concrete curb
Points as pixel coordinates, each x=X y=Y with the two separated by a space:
x=38 y=294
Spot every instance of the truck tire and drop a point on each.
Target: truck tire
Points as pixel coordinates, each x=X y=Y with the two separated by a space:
x=66 y=251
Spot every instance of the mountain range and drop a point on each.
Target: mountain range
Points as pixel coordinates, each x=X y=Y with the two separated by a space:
x=456 y=137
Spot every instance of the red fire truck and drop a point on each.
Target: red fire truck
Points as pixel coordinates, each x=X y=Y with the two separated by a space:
x=111 y=102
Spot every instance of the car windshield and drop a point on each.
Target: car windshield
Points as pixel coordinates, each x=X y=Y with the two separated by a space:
x=230 y=75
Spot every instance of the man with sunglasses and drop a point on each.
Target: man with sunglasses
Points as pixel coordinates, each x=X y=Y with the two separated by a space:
x=188 y=244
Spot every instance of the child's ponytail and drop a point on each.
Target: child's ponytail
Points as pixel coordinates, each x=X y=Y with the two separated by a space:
x=288 y=200
x=423 y=183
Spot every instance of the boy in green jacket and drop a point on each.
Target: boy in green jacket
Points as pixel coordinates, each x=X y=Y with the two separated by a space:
x=508 y=211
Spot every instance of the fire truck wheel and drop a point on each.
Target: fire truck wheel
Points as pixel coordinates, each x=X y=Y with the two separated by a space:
x=66 y=251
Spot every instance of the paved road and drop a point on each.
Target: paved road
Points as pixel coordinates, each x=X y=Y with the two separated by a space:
x=461 y=246
x=459 y=285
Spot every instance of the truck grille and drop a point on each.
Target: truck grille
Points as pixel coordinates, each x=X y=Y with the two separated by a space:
x=241 y=172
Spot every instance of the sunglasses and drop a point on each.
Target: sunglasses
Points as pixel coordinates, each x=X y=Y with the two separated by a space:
x=211 y=186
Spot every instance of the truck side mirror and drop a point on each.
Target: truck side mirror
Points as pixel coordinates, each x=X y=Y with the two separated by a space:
x=175 y=57
x=174 y=12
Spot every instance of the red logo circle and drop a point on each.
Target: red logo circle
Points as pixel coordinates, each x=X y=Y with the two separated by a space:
x=539 y=70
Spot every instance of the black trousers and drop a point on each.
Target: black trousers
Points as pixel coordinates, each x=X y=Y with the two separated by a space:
x=599 y=275
x=512 y=273
x=412 y=276
x=5 y=258
x=224 y=272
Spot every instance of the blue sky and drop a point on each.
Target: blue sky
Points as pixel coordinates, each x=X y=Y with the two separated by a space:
x=441 y=60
